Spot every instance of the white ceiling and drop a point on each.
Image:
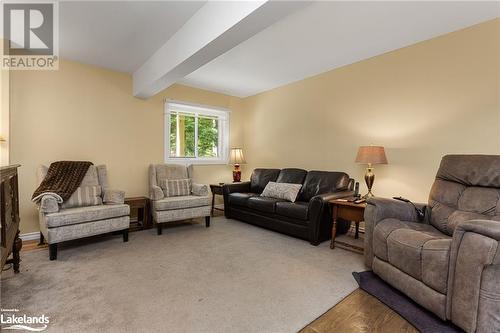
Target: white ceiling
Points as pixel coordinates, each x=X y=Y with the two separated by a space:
x=328 y=35
x=122 y=35
x=119 y=35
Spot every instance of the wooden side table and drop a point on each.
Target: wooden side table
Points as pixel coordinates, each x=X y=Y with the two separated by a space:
x=141 y=205
x=216 y=190
x=348 y=211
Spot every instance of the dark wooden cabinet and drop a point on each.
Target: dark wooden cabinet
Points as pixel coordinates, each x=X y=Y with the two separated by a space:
x=9 y=217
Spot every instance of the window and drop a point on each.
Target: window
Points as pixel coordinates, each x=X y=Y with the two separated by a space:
x=196 y=134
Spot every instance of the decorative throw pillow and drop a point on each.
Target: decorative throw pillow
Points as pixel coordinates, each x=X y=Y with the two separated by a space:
x=286 y=191
x=176 y=187
x=84 y=196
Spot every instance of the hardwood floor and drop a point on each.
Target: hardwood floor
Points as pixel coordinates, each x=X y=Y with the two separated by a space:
x=359 y=312
x=32 y=245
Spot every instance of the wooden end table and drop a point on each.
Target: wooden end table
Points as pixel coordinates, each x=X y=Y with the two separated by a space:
x=349 y=211
x=216 y=190
x=141 y=204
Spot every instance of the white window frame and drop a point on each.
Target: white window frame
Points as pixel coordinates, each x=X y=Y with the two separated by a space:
x=222 y=115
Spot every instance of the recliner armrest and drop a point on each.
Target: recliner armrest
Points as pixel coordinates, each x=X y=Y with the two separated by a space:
x=486 y=228
x=473 y=295
x=384 y=208
x=378 y=209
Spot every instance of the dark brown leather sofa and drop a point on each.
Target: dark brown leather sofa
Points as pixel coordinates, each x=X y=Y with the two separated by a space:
x=450 y=262
x=309 y=217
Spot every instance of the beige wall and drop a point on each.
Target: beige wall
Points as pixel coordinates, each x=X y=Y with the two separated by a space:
x=4 y=112
x=437 y=97
x=82 y=112
x=421 y=102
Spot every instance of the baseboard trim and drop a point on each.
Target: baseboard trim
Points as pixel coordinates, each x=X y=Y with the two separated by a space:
x=30 y=236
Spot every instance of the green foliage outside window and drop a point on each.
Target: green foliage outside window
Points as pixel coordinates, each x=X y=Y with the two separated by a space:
x=208 y=136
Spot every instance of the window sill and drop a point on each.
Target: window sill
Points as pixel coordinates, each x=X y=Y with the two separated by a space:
x=196 y=161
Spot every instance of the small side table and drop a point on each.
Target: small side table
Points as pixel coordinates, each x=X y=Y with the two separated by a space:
x=348 y=211
x=216 y=190
x=141 y=204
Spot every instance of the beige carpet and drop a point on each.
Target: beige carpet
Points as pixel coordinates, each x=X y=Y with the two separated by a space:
x=231 y=277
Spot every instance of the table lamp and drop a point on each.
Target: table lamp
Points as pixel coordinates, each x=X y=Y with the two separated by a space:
x=236 y=158
x=370 y=155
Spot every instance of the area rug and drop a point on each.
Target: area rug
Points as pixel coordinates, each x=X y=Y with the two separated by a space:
x=231 y=277
x=423 y=320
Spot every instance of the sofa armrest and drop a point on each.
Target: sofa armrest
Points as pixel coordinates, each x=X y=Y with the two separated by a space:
x=473 y=297
x=113 y=197
x=378 y=209
x=236 y=187
x=320 y=214
x=227 y=189
x=48 y=204
x=155 y=192
x=199 y=190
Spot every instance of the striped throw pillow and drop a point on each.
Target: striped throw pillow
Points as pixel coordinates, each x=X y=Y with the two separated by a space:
x=176 y=187
x=84 y=196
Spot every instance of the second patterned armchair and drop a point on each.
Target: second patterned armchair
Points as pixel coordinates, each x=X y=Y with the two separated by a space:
x=174 y=197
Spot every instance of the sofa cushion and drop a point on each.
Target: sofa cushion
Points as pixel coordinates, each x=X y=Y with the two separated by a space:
x=263 y=204
x=260 y=178
x=170 y=203
x=285 y=191
x=176 y=187
x=319 y=182
x=417 y=249
x=85 y=214
x=292 y=175
x=240 y=199
x=296 y=210
x=84 y=196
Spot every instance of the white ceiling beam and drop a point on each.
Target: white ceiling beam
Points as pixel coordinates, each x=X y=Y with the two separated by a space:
x=213 y=30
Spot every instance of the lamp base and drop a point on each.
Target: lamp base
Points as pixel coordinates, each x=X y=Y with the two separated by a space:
x=236 y=174
x=369 y=179
x=368 y=195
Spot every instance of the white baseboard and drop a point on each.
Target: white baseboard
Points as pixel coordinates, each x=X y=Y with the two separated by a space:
x=30 y=236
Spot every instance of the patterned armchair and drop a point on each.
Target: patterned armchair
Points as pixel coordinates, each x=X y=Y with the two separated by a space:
x=93 y=209
x=195 y=203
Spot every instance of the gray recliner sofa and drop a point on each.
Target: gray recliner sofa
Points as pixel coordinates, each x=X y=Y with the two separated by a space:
x=450 y=262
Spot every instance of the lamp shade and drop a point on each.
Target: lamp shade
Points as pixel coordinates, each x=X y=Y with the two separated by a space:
x=236 y=156
x=371 y=155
